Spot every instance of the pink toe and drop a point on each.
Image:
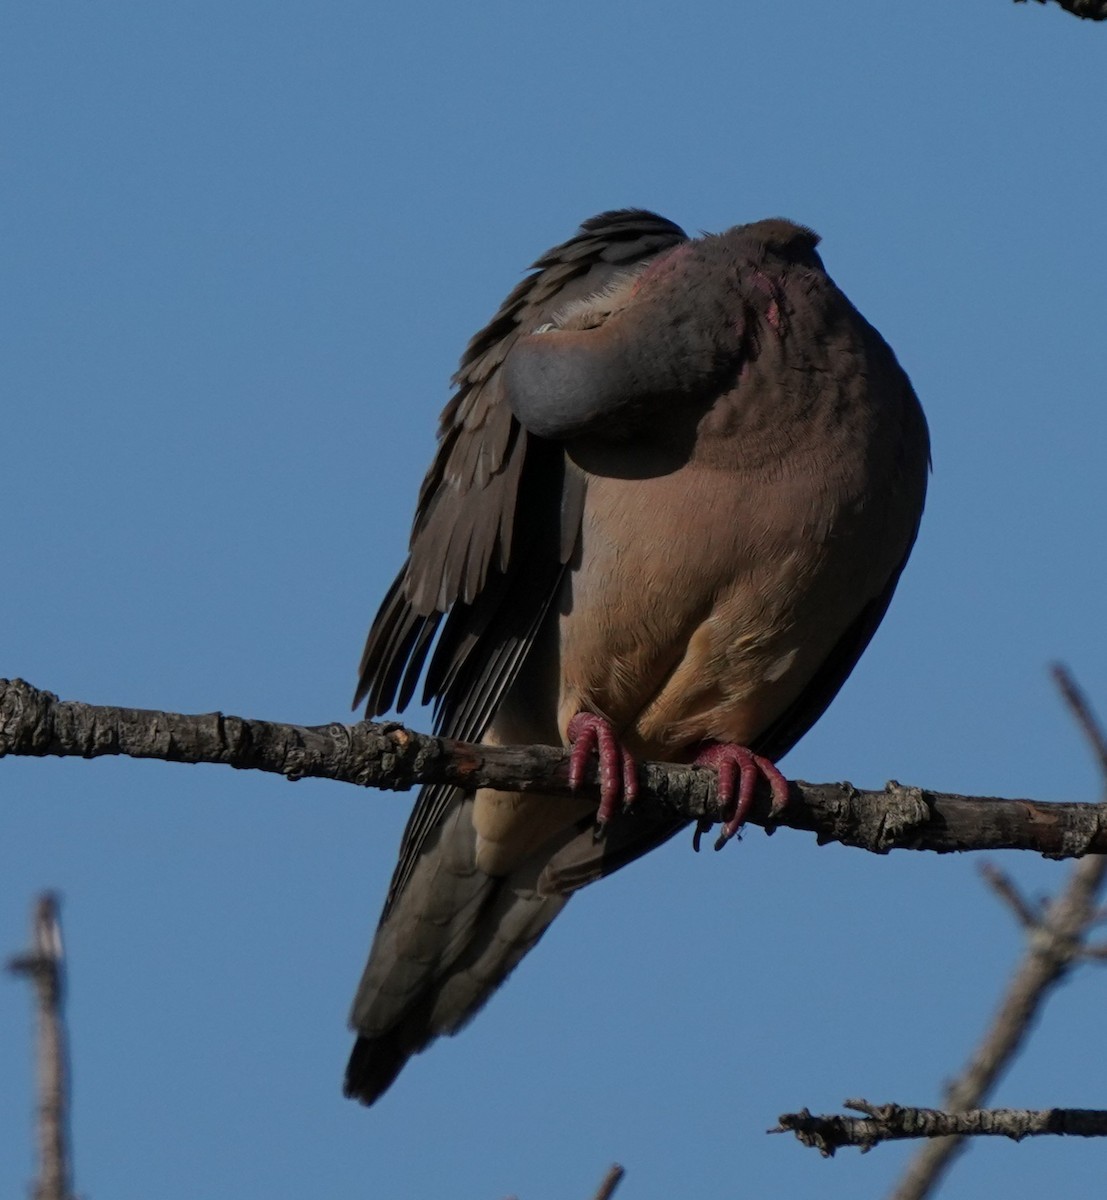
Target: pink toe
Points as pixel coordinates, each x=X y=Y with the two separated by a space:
x=730 y=760
x=618 y=771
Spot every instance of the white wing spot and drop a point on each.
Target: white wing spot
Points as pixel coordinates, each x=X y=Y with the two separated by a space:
x=781 y=666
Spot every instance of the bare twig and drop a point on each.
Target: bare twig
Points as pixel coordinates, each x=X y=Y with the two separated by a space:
x=894 y=1122
x=44 y=965
x=610 y=1182
x=1086 y=10
x=386 y=755
x=1081 y=709
x=1004 y=887
x=1057 y=941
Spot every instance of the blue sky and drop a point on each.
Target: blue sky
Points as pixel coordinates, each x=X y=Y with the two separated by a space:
x=243 y=246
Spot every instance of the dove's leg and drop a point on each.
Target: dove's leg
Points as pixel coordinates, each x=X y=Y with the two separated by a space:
x=739 y=765
x=618 y=770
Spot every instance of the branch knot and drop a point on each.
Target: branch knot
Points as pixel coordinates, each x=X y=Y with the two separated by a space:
x=26 y=725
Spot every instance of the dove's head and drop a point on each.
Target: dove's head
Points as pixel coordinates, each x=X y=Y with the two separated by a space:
x=660 y=334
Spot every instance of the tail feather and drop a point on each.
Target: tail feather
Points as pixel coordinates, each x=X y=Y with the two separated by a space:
x=448 y=941
x=374 y=1064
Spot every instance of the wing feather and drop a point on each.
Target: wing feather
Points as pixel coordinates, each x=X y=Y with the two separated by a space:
x=497 y=520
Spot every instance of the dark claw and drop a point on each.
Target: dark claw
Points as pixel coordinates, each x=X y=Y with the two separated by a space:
x=703 y=825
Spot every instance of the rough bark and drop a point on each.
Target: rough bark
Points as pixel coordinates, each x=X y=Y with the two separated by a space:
x=894 y=1122
x=387 y=755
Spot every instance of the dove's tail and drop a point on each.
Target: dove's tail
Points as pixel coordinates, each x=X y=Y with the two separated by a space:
x=444 y=945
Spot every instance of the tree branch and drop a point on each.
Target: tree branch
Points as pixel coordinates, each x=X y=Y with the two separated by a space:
x=610 y=1182
x=1057 y=940
x=1086 y=10
x=387 y=755
x=44 y=965
x=894 y=1122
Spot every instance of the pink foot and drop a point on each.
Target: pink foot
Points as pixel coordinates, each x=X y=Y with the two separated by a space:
x=738 y=764
x=618 y=770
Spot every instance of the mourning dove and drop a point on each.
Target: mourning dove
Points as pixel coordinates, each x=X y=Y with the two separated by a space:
x=673 y=494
